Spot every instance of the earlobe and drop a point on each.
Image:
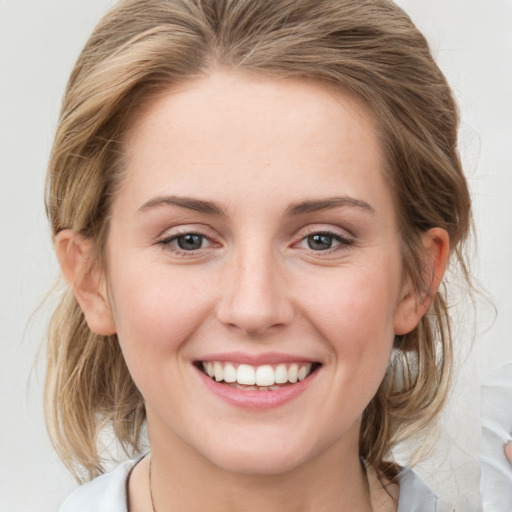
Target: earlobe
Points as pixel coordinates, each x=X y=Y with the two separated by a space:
x=415 y=303
x=74 y=252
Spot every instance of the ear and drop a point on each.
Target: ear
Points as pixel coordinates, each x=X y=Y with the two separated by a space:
x=74 y=252
x=415 y=303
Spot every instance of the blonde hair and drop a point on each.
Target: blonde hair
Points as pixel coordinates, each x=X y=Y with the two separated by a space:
x=369 y=48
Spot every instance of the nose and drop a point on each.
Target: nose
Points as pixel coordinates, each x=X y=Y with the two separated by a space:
x=254 y=297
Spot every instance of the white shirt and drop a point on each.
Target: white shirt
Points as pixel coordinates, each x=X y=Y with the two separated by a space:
x=496 y=399
x=108 y=493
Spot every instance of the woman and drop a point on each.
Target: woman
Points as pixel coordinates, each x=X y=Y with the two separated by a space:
x=254 y=204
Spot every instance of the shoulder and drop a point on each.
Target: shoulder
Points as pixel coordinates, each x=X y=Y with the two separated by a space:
x=412 y=493
x=415 y=495
x=106 y=493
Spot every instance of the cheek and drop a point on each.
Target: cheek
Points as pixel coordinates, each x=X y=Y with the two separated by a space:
x=156 y=312
x=354 y=313
x=353 y=307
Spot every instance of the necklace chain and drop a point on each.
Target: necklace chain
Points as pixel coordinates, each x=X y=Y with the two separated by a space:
x=151 y=487
x=153 y=501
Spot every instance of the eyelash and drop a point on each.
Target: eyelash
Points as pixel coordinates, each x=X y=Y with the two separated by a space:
x=168 y=243
x=343 y=242
x=171 y=242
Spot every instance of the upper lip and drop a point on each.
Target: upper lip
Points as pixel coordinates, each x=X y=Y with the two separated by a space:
x=256 y=359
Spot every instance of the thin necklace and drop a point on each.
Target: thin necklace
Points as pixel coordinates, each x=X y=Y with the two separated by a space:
x=383 y=509
x=151 y=486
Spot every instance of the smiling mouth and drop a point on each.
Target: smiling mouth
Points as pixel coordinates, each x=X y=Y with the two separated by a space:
x=263 y=378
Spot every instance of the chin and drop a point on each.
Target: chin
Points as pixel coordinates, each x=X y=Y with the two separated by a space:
x=246 y=462
x=250 y=457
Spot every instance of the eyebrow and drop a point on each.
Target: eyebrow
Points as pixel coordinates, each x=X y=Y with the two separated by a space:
x=316 y=205
x=211 y=208
x=190 y=203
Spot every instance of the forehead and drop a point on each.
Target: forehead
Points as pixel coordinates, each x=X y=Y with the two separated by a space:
x=235 y=135
x=215 y=102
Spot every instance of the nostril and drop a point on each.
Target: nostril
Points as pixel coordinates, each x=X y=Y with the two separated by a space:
x=253 y=299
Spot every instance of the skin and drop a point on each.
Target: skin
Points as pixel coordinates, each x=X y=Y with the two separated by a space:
x=508 y=451
x=254 y=148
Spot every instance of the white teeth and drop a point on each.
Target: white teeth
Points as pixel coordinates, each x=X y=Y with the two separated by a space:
x=246 y=388
x=304 y=371
x=293 y=373
x=281 y=374
x=264 y=378
x=229 y=373
x=218 y=371
x=245 y=374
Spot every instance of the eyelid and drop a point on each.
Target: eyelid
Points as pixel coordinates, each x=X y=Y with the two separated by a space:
x=343 y=240
x=185 y=228
x=172 y=238
x=322 y=229
x=167 y=238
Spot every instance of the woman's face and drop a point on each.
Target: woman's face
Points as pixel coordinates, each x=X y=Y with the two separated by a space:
x=254 y=237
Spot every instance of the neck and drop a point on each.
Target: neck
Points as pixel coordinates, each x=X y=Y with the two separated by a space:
x=183 y=480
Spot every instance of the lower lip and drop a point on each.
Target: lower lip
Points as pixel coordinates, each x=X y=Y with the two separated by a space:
x=252 y=399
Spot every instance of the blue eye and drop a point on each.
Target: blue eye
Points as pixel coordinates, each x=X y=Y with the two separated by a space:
x=323 y=241
x=320 y=241
x=189 y=242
